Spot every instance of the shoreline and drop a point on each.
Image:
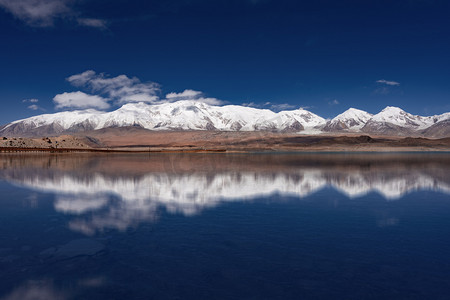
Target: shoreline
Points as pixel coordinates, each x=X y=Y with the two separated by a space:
x=138 y=141
x=237 y=150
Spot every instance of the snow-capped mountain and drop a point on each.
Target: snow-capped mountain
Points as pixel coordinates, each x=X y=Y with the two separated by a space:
x=181 y=115
x=394 y=120
x=351 y=120
x=440 y=129
x=195 y=115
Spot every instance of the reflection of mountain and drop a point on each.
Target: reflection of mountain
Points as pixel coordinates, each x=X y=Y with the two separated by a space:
x=188 y=184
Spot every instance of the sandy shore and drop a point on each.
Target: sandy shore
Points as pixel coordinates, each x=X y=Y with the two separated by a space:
x=138 y=140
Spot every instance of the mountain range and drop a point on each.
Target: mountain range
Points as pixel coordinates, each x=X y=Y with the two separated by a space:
x=195 y=115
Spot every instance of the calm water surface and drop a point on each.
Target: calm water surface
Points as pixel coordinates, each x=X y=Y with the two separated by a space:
x=225 y=226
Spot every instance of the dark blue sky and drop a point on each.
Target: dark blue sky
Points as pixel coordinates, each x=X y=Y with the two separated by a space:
x=326 y=56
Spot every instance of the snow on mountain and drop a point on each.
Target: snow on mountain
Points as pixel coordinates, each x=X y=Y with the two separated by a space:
x=440 y=129
x=395 y=120
x=181 y=115
x=195 y=115
x=351 y=120
x=399 y=117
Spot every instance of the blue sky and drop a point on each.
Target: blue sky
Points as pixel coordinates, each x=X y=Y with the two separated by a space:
x=322 y=55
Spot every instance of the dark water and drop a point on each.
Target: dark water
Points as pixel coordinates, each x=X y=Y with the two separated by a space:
x=222 y=226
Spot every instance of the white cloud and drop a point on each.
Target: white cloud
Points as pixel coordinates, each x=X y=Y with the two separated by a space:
x=210 y=101
x=40 y=13
x=90 y=22
x=33 y=106
x=121 y=89
x=333 y=102
x=44 y=13
x=382 y=90
x=250 y=104
x=142 y=97
x=80 y=100
x=193 y=95
x=184 y=95
x=393 y=83
x=281 y=106
x=34 y=100
x=270 y=105
x=82 y=78
x=386 y=87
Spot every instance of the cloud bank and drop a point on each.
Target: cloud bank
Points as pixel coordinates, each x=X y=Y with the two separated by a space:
x=120 y=89
x=100 y=91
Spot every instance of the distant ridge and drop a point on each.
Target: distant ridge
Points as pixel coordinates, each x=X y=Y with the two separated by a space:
x=195 y=115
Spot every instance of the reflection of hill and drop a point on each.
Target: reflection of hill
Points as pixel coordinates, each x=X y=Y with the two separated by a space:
x=187 y=184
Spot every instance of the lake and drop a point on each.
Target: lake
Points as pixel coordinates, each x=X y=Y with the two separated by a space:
x=225 y=226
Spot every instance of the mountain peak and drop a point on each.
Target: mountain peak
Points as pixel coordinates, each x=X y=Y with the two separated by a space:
x=352 y=109
x=392 y=110
x=395 y=121
x=350 y=120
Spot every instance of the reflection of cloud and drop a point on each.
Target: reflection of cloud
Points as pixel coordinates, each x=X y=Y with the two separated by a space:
x=75 y=204
x=37 y=290
x=387 y=222
x=47 y=289
x=119 y=216
x=92 y=282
